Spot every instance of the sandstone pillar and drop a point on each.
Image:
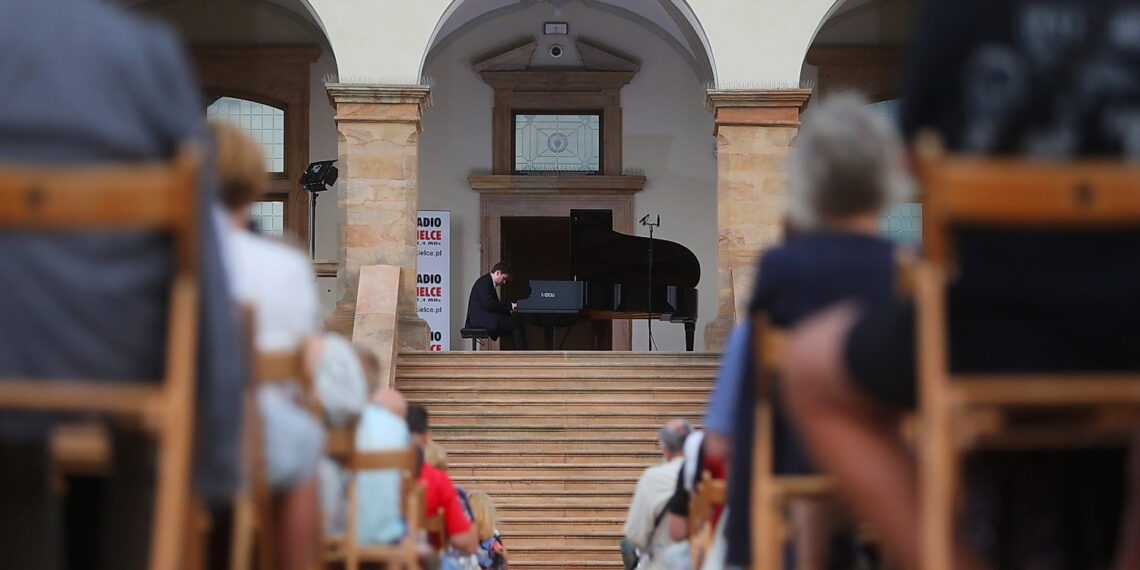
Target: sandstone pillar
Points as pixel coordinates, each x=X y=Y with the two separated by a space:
x=377 y=198
x=754 y=131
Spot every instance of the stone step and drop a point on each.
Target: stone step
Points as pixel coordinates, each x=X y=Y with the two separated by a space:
x=495 y=484
x=643 y=393
x=554 y=375
x=563 y=566
x=616 y=444
x=512 y=457
x=407 y=358
x=558 y=439
x=575 y=510
x=568 y=537
x=583 y=495
x=524 y=554
x=528 y=470
x=564 y=523
x=461 y=402
x=508 y=431
x=560 y=498
x=559 y=418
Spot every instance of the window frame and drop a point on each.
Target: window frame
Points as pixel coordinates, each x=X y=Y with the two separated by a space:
x=600 y=113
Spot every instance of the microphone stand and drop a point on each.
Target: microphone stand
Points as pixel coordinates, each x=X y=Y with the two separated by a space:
x=649 y=282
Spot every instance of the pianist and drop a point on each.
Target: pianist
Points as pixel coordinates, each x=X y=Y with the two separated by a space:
x=486 y=311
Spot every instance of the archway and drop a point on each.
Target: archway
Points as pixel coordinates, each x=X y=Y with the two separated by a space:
x=668 y=71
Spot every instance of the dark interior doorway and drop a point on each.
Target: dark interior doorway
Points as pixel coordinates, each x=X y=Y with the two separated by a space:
x=539 y=248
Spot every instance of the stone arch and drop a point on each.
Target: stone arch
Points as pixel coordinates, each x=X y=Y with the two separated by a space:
x=692 y=34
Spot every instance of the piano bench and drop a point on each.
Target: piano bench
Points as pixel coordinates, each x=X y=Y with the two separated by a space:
x=476 y=336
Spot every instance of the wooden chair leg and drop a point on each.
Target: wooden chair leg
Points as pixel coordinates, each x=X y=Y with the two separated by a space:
x=938 y=486
x=770 y=552
x=171 y=500
x=351 y=555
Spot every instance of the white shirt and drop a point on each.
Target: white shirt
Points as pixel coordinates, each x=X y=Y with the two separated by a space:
x=653 y=492
x=277 y=280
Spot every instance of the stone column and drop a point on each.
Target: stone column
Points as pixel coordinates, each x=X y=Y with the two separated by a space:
x=754 y=131
x=379 y=127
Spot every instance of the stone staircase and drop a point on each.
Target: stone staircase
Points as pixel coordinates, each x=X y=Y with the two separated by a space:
x=558 y=439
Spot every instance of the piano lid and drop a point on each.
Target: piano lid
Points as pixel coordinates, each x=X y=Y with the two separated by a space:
x=598 y=253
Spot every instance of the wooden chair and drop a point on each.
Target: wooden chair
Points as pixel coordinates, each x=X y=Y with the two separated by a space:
x=158 y=197
x=345 y=548
x=254 y=516
x=706 y=495
x=968 y=410
x=770 y=491
x=436 y=526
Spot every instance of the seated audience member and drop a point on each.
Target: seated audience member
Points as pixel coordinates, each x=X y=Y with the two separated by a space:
x=644 y=531
x=344 y=375
x=418 y=425
x=695 y=465
x=118 y=89
x=1022 y=78
x=382 y=427
x=436 y=456
x=492 y=555
x=277 y=281
x=440 y=492
x=847 y=167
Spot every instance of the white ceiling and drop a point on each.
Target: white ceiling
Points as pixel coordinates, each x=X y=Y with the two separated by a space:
x=656 y=13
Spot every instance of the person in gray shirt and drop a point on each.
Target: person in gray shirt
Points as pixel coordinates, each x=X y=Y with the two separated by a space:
x=87 y=83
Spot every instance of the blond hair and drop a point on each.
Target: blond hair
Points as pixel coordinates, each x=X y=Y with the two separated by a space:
x=241 y=166
x=435 y=455
x=483 y=510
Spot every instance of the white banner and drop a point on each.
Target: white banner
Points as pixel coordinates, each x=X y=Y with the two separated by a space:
x=433 y=275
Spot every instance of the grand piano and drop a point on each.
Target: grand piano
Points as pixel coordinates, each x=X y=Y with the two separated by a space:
x=612 y=280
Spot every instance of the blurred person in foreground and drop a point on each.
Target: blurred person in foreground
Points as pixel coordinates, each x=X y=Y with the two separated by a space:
x=90 y=305
x=276 y=280
x=382 y=427
x=847 y=167
x=1047 y=79
x=646 y=538
x=345 y=376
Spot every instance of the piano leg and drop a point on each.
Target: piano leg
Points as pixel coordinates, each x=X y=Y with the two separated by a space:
x=548 y=333
x=690 y=334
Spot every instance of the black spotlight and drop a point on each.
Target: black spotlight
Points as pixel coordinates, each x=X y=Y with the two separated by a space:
x=316 y=179
x=319 y=176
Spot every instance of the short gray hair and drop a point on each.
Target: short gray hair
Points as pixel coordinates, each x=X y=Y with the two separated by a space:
x=673 y=433
x=848 y=159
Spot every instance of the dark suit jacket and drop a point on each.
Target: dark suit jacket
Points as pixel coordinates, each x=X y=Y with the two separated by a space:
x=85 y=82
x=485 y=310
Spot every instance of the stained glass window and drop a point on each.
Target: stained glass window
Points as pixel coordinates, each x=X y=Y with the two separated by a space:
x=903 y=222
x=262 y=123
x=558 y=143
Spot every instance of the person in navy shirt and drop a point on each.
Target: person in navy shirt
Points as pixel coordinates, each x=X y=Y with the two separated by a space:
x=846 y=168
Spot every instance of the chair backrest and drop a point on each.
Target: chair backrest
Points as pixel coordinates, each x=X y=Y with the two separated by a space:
x=150 y=196
x=342 y=448
x=1013 y=193
x=159 y=197
x=436 y=526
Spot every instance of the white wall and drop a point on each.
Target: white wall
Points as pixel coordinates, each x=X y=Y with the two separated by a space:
x=667 y=134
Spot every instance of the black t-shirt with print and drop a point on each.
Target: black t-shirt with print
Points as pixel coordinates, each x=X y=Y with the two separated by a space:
x=1049 y=79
